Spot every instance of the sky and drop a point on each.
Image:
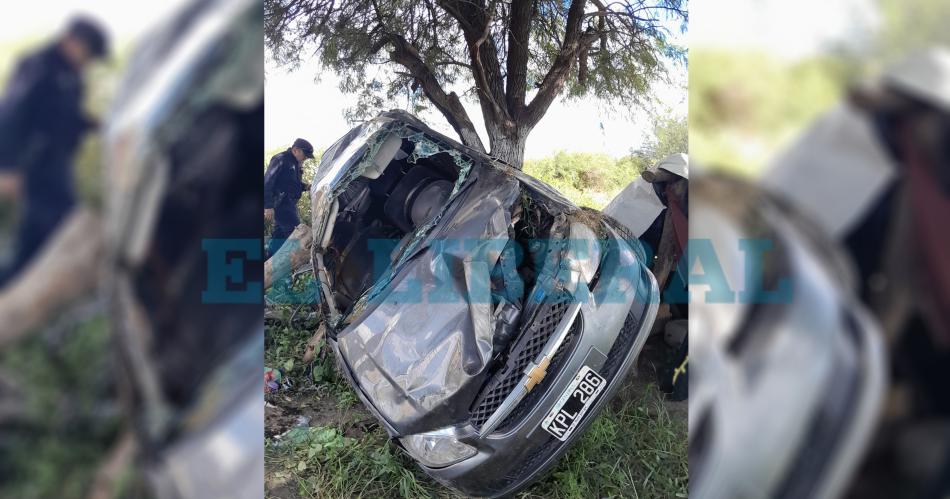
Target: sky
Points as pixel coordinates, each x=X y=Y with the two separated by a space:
x=299 y=106
x=125 y=20
x=784 y=28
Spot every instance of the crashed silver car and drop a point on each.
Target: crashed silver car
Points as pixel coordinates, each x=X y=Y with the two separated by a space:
x=483 y=318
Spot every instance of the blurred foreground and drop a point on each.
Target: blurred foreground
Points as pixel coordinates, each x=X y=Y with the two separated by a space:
x=133 y=337
x=819 y=335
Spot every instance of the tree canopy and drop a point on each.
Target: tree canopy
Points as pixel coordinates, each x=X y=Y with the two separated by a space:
x=513 y=56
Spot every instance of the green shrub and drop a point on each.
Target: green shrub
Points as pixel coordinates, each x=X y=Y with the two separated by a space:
x=587 y=179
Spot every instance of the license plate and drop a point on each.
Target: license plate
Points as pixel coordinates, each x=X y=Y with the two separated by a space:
x=573 y=403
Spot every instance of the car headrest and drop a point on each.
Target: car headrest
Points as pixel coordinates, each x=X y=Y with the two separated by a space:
x=387 y=152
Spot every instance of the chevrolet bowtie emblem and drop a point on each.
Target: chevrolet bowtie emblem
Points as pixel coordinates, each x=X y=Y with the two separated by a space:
x=537 y=373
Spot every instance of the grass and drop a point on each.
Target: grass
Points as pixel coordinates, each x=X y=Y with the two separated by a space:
x=68 y=414
x=323 y=462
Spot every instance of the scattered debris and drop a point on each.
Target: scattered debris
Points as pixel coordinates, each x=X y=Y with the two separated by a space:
x=314 y=343
x=275 y=380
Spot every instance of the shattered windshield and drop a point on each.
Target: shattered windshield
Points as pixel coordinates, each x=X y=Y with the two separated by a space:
x=354 y=155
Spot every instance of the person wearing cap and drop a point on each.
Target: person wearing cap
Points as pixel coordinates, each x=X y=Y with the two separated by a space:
x=654 y=210
x=42 y=123
x=283 y=185
x=882 y=162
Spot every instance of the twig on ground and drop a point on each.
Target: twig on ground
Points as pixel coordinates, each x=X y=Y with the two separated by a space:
x=110 y=472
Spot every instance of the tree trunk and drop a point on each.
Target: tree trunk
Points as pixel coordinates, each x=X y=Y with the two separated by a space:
x=508 y=147
x=469 y=136
x=294 y=254
x=64 y=270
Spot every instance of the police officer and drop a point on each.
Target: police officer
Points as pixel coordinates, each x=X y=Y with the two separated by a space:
x=41 y=125
x=283 y=185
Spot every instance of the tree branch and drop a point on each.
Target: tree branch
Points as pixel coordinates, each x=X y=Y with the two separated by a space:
x=517 y=64
x=554 y=81
x=448 y=104
x=475 y=21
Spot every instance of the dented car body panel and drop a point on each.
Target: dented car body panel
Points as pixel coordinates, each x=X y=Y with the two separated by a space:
x=489 y=293
x=425 y=342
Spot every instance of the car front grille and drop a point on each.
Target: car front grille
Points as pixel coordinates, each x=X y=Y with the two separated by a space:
x=618 y=353
x=529 y=344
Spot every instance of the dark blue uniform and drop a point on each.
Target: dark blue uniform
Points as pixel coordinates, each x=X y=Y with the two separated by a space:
x=283 y=185
x=41 y=124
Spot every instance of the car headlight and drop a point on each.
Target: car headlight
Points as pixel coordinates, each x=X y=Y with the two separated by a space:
x=585 y=251
x=437 y=449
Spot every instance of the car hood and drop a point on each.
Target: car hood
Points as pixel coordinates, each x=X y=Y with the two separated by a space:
x=420 y=347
